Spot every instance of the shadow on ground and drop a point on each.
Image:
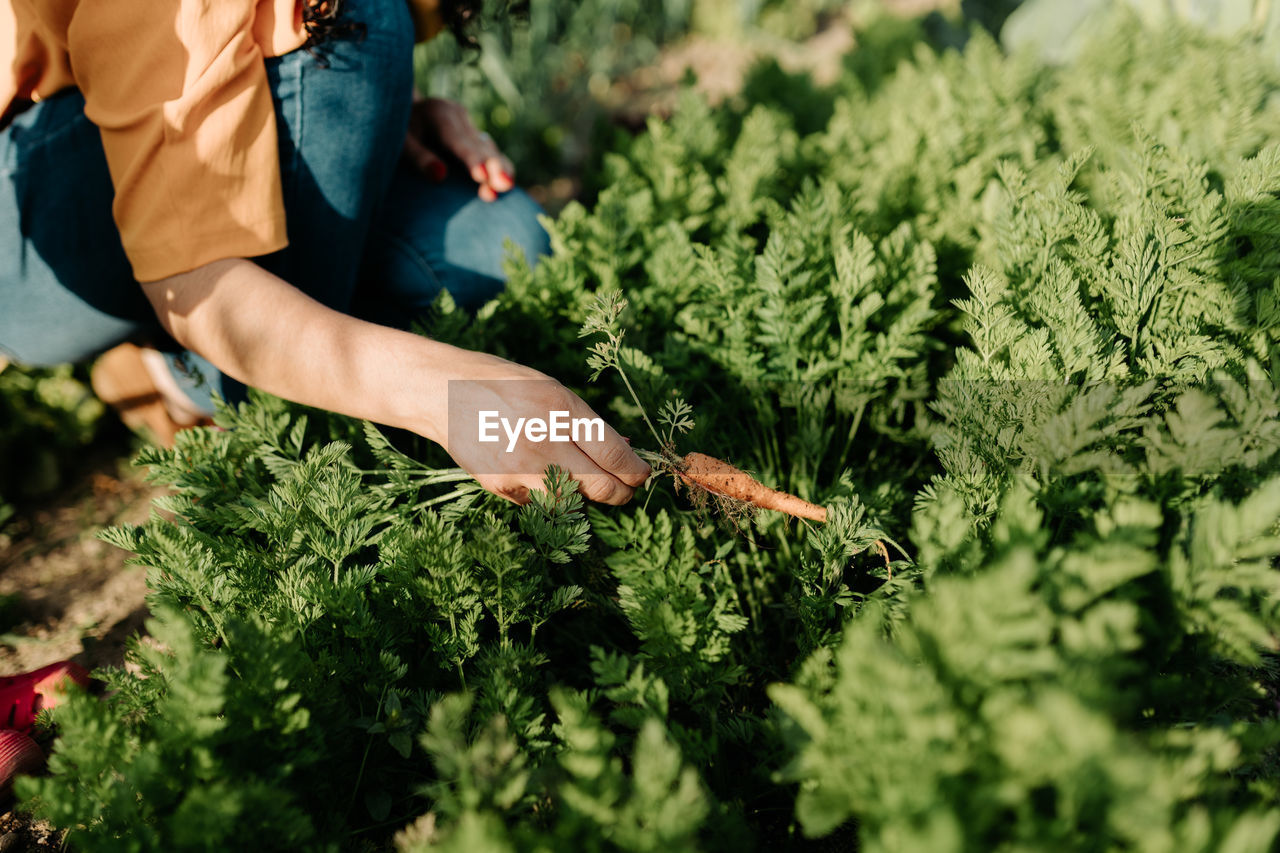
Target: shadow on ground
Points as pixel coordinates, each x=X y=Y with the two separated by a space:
x=63 y=592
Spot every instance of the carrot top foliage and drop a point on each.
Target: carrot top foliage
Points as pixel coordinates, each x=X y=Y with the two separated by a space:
x=1025 y=321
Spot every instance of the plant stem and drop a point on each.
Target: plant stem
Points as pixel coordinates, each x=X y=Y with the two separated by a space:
x=848 y=442
x=636 y=398
x=456 y=493
x=651 y=457
x=434 y=475
x=367 y=744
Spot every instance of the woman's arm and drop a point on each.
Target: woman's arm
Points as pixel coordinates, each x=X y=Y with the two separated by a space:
x=266 y=333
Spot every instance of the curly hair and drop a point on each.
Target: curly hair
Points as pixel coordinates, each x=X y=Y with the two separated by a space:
x=326 y=19
x=460 y=18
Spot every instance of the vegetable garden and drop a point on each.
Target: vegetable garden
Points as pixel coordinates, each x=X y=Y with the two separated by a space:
x=1016 y=327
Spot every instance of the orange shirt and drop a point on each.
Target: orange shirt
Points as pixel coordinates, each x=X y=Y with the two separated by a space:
x=179 y=92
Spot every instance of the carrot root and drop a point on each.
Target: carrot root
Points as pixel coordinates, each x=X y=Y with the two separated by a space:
x=719 y=477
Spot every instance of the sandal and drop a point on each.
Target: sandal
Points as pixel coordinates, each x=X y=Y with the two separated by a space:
x=24 y=696
x=125 y=378
x=18 y=755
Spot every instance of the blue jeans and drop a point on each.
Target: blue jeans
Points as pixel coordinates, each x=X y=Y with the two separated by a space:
x=367 y=234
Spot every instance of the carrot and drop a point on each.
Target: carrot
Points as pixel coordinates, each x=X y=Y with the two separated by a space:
x=721 y=478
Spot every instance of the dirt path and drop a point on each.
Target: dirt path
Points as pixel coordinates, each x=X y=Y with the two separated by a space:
x=63 y=593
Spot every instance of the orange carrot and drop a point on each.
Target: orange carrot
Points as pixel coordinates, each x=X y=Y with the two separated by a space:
x=721 y=478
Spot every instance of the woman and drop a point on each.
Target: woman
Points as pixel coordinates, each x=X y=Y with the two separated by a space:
x=235 y=177
x=230 y=175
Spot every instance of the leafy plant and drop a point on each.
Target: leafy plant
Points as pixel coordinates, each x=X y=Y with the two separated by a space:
x=1053 y=365
x=45 y=414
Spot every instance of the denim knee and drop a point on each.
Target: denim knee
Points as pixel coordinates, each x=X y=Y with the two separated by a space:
x=478 y=246
x=433 y=236
x=517 y=217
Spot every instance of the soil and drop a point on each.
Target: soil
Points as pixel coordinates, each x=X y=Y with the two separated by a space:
x=719 y=66
x=19 y=834
x=63 y=592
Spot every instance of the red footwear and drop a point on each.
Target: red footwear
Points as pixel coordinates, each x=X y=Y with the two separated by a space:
x=18 y=754
x=23 y=696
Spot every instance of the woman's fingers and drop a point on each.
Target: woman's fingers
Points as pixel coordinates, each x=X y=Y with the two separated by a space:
x=513 y=476
x=500 y=172
x=610 y=451
x=487 y=165
x=448 y=122
x=492 y=171
x=593 y=484
x=510 y=423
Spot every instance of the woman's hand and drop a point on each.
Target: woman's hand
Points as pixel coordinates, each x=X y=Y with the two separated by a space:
x=505 y=423
x=439 y=127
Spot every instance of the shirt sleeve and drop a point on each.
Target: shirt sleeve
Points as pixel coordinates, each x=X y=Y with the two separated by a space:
x=427 y=23
x=179 y=92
